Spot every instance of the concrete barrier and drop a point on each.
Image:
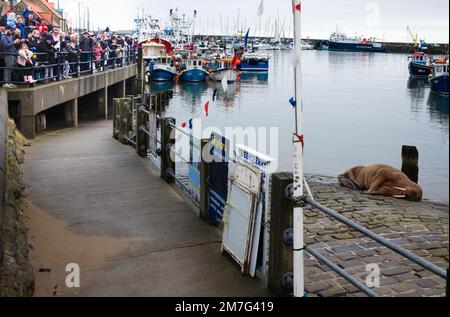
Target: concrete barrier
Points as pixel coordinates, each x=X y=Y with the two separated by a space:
x=33 y=101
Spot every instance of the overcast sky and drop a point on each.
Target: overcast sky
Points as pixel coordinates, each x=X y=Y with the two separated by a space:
x=384 y=19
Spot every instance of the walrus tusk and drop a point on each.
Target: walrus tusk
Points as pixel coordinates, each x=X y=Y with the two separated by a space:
x=399 y=196
x=399 y=188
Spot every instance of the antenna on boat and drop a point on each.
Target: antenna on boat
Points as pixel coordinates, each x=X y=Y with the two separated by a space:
x=298 y=145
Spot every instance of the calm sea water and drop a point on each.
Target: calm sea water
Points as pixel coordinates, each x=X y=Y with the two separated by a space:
x=359 y=109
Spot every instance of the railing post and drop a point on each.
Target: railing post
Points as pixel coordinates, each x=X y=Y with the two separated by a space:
x=58 y=66
x=167 y=142
x=142 y=139
x=205 y=172
x=116 y=118
x=410 y=166
x=78 y=65
x=124 y=122
x=281 y=237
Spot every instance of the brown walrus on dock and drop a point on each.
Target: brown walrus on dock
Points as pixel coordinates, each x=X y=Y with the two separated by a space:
x=383 y=180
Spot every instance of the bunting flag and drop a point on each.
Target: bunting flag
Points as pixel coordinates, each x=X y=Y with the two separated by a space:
x=207 y=108
x=293 y=102
x=215 y=95
x=191 y=125
x=184 y=125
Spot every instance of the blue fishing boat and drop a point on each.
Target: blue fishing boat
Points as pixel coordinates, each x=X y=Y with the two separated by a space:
x=254 y=62
x=162 y=69
x=420 y=65
x=192 y=71
x=439 y=78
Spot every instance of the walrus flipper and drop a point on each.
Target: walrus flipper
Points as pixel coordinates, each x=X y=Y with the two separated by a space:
x=373 y=193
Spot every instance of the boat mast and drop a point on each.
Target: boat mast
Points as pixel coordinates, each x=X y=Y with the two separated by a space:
x=298 y=144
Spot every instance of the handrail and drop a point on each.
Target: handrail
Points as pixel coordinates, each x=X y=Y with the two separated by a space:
x=308 y=200
x=394 y=247
x=42 y=71
x=341 y=272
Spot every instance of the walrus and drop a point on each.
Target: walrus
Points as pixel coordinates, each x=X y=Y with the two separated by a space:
x=383 y=180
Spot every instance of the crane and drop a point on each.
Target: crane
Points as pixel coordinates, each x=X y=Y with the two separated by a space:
x=415 y=38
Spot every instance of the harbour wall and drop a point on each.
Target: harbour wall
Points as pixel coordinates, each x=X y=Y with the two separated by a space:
x=393 y=47
x=16 y=274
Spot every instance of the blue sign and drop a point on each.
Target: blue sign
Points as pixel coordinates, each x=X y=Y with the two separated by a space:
x=218 y=182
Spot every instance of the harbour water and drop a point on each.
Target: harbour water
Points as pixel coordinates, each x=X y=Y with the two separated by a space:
x=360 y=108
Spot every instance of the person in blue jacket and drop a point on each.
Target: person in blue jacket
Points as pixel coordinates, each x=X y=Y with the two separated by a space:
x=21 y=26
x=10 y=55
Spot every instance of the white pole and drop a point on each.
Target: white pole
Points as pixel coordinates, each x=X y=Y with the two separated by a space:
x=298 y=143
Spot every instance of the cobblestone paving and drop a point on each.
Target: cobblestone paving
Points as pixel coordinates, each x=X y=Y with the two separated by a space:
x=422 y=228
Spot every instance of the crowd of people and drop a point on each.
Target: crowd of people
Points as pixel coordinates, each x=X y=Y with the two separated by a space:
x=32 y=50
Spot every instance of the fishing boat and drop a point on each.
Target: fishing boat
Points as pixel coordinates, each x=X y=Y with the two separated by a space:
x=254 y=62
x=439 y=77
x=192 y=70
x=420 y=65
x=307 y=46
x=162 y=69
x=158 y=64
x=219 y=67
x=339 y=41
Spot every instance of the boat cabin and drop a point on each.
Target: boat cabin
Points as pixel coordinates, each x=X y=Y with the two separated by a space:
x=440 y=69
x=153 y=51
x=420 y=58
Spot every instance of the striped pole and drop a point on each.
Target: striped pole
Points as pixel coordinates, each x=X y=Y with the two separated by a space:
x=298 y=143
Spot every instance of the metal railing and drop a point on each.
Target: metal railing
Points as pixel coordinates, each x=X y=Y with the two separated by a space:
x=308 y=200
x=47 y=67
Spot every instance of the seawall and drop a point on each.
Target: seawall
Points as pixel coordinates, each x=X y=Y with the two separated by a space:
x=16 y=274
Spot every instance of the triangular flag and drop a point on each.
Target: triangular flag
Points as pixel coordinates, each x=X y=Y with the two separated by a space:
x=297 y=7
x=184 y=125
x=207 y=108
x=234 y=62
x=293 y=102
x=246 y=38
x=191 y=126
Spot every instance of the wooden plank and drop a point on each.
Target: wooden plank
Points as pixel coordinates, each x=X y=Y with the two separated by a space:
x=167 y=141
x=205 y=169
x=280 y=254
x=410 y=166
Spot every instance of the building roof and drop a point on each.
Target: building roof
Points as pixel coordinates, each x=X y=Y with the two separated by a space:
x=37 y=5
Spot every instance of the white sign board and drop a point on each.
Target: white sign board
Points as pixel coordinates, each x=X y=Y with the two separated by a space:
x=263 y=163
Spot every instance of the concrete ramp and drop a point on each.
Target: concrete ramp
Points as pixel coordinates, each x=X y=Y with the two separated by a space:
x=93 y=202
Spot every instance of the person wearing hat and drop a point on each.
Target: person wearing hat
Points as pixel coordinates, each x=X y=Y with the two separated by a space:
x=47 y=56
x=86 y=47
x=10 y=54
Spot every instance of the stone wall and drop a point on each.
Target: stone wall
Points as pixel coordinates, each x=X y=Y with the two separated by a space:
x=16 y=274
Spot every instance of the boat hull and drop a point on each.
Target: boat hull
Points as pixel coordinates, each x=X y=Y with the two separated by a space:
x=439 y=84
x=194 y=75
x=355 y=47
x=259 y=66
x=418 y=70
x=161 y=75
